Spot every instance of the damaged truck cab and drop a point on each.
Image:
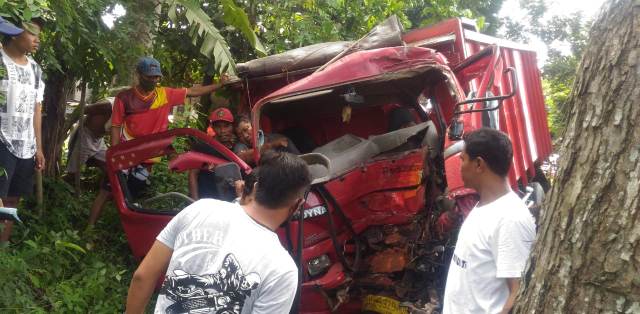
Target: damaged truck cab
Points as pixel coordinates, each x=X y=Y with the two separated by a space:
x=376 y=229
x=381 y=123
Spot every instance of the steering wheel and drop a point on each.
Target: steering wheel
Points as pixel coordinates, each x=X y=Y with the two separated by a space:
x=170 y=195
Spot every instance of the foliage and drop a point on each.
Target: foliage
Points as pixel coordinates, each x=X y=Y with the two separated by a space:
x=74 y=40
x=24 y=10
x=484 y=12
x=53 y=267
x=556 y=95
x=566 y=38
x=291 y=24
x=205 y=35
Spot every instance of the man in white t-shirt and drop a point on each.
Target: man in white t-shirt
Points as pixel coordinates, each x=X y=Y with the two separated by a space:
x=495 y=239
x=21 y=95
x=221 y=257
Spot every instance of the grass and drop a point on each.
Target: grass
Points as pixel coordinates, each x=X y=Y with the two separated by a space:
x=54 y=265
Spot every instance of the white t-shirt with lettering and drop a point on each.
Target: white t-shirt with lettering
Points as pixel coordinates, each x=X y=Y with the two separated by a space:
x=493 y=244
x=223 y=261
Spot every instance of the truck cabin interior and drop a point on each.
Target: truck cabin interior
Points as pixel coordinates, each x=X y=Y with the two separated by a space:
x=363 y=109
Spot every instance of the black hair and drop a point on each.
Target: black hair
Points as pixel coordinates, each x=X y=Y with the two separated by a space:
x=282 y=178
x=240 y=119
x=5 y=39
x=249 y=182
x=493 y=146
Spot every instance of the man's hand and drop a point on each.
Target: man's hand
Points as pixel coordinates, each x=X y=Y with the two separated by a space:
x=40 y=163
x=224 y=78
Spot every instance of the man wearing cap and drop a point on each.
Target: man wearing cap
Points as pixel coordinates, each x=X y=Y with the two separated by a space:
x=144 y=109
x=21 y=95
x=221 y=121
x=200 y=182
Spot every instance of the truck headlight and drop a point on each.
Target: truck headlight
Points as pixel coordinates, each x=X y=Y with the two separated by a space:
x=318 y=265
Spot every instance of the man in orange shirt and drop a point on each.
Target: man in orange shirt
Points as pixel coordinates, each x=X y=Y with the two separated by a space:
x=144 y=109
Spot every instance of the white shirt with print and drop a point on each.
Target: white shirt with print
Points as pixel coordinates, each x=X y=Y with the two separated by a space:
x=493 y=244
x=17 y=105
x=224 y=262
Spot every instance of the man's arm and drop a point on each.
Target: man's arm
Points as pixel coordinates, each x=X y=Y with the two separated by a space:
x=37 y=127
x=117 y=120
x=193 y=183
x=146 y=276
x=115 y=135
x=197 y=91
x=247 y=154
x=514 y=285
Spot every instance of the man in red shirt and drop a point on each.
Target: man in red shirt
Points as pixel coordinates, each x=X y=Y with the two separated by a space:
x=144 y=109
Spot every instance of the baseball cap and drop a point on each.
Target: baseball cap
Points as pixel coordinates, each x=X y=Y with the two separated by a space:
x=9 y=29
x=149 y=66
x=221 y=114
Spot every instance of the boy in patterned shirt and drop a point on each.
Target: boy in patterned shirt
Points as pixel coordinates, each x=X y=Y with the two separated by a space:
x=21 y=95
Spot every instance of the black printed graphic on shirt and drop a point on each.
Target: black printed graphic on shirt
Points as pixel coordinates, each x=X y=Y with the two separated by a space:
x=24 y=75
x=23 y=102
x=221 y=293
x=20 y=125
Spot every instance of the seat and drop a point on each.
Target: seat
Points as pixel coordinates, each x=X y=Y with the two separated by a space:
x=349 y=151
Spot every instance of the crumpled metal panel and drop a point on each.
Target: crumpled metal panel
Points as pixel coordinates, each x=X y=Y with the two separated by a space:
x=389 y=261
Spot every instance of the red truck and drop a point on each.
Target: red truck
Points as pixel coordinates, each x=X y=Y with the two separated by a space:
x=381 y=121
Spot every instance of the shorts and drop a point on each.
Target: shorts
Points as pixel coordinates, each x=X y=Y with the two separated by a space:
x=17 y=178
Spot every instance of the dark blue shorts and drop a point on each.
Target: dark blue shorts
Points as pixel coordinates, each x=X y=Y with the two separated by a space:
x=16 y=174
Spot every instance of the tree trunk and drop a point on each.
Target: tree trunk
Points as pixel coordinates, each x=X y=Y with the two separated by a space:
x=143 y=16
x=53 y=120
x=587 y=255
x=83 y=99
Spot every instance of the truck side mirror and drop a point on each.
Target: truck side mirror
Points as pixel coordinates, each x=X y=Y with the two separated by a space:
x=456 y=129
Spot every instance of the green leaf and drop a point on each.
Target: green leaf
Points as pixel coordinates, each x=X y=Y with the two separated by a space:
x=172 y=12
x=236 y=17
x=34 y=279
x=69 y=245
x=31 y=243
x=202 y=27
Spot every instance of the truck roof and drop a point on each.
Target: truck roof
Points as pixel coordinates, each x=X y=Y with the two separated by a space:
x=380 y=64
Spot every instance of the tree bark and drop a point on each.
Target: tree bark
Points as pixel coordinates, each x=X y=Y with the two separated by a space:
x=587 y=254
x=57 y=88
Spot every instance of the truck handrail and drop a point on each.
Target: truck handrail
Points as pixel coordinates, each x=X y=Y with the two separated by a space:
x=500 y=98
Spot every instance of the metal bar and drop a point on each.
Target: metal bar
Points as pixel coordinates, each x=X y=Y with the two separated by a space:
x=514 y=88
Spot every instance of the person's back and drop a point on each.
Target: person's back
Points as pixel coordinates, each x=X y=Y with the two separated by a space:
x=223 y=259
x=226 y=258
